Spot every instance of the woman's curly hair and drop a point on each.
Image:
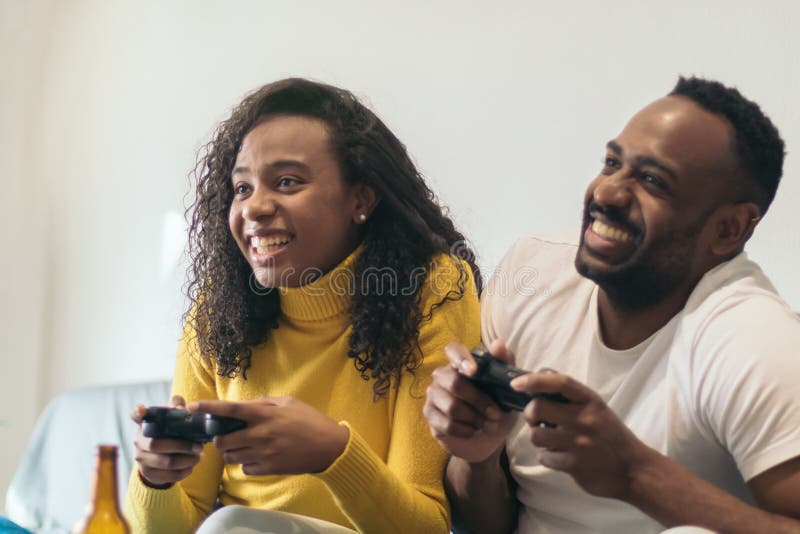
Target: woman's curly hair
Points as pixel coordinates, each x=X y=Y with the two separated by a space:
x=405 y=232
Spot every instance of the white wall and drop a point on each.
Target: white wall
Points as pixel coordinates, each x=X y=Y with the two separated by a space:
x=23 y=218
x=506 y=107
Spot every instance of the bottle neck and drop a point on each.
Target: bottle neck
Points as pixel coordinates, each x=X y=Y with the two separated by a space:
x=105 y=481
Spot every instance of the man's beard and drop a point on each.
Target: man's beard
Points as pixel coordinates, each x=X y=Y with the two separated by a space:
x=648 y=276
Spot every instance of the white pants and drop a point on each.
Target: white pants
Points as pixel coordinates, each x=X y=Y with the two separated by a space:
x=243 y=520
x=688 y=530
x=237 y=519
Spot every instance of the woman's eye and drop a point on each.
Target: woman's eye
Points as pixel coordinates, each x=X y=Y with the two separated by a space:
x=240 y=189
x=287 y=181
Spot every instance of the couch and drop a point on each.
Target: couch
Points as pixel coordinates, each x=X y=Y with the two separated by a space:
x=53 y=483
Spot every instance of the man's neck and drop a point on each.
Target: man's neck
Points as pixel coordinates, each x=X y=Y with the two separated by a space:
x=623 y=328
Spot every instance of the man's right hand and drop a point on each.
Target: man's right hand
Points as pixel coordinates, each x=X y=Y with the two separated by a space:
x=466 y=421
x=162 y=462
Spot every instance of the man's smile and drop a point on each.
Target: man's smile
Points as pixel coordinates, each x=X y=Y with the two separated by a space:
x=608 y=240
x=610 y=232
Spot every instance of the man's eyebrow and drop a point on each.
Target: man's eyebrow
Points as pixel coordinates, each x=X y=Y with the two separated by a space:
x=275 y=165
x=613 y=146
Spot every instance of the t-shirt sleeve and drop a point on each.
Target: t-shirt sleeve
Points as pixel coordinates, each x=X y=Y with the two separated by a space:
x=183 y=506
x=748 y=382
x=406 y=493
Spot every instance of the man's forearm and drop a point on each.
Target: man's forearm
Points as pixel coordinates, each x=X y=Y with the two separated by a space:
x=481 y=495
x=673 y=495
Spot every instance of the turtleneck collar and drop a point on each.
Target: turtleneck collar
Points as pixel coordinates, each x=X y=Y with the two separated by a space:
x=323 y=298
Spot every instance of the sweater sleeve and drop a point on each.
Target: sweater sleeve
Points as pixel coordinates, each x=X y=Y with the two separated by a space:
x=406 y=493
x=183 y=506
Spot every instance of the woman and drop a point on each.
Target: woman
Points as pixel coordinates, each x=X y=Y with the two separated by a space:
x=325 y=282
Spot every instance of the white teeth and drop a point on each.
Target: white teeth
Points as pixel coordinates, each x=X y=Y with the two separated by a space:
x=263 y=244
x=611 y=233
x=269 y=241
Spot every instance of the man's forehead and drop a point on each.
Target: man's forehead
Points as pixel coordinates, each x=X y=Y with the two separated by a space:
x=678 y=129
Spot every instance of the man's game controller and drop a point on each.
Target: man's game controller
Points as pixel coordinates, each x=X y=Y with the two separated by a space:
x=175 y=423
x=493 y=377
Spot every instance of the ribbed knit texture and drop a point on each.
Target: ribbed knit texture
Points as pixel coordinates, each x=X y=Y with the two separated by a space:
x=389 y=477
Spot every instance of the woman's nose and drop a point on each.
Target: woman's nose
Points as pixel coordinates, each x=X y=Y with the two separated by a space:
x=258 y=205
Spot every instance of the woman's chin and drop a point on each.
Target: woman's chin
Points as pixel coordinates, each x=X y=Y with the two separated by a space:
x=263 y=279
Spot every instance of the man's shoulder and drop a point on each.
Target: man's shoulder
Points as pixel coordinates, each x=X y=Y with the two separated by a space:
x=535 y=270
x=736 y=320
x=738 y=292
x=535 y=295
x=541 y=253
x=736 y=363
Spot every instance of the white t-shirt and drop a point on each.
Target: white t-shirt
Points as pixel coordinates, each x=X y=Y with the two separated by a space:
x=717 y=389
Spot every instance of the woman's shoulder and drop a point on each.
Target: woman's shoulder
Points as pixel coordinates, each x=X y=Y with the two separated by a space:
x=448 y=278
x=189 y=349
x=449 y=304
x=447 y=272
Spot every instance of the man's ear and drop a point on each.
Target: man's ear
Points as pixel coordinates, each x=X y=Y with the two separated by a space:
x=734 y=226
x=365 y=201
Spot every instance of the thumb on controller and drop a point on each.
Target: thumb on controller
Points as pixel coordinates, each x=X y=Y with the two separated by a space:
x=499 y=350
x=178 y=402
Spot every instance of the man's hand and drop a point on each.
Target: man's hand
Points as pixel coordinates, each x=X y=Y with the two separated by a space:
x=162 y=462
x=283 y=436
x=466 y=421
x=583 y=437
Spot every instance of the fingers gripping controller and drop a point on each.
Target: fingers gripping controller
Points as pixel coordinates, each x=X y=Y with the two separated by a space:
x=174 y=423
x=493 y=377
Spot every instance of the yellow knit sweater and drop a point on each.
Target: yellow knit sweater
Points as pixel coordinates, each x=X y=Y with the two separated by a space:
x=389 y=477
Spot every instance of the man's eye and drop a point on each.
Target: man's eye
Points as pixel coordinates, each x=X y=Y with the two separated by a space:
x=611 y=162
x=652 y=179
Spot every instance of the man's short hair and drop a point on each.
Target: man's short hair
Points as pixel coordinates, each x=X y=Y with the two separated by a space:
x=756 y=142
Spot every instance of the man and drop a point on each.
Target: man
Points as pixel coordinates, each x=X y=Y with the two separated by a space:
x=677 y=357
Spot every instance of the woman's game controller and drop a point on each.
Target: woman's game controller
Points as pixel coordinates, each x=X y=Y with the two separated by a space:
x=175 y=423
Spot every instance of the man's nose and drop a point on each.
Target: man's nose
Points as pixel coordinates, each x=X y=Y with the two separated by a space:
x=259 y=204
x=613 y=189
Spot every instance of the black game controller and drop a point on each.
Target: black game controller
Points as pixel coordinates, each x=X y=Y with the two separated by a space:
x=493 y=377
x=175 y=423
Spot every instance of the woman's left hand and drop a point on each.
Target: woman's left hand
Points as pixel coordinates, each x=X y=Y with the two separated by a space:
x=283 y=436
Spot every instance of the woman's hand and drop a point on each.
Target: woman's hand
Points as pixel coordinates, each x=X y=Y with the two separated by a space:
x=283 y=436
x=162 y=462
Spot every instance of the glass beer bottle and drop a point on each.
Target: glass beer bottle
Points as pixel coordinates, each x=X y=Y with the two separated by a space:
x=104 y=516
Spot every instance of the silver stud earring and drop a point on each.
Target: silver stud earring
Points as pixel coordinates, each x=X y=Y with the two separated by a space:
x=362 y=217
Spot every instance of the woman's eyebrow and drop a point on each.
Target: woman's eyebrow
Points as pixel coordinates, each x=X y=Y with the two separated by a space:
x=279 y=164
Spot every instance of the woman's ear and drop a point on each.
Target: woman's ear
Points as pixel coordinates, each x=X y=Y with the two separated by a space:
x=735 y=225
x=365 y=201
